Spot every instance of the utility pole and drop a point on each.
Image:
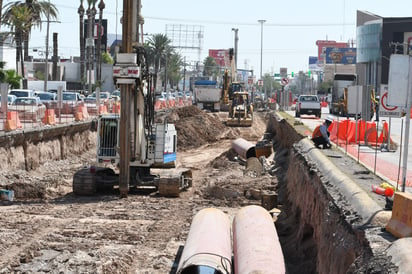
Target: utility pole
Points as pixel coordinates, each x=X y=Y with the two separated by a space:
x=261 y=45
x=80 y=11
x=46 y=71
x=184 y=73
x=91 y=12
x=236 y=42
x=99 y=43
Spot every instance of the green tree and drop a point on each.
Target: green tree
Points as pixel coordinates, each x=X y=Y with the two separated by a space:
x=9 y=76
x=107 y=58
x=174 y=65
x=18 y=18
x=159 y=49
x=160 y=46
x=211 y=69
x=13 y=79
x=37 y=11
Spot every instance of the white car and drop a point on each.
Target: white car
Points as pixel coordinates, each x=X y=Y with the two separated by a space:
x=29 y=108
x=10 y=99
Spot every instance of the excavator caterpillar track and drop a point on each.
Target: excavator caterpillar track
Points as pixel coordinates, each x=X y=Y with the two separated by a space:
x=88 y=181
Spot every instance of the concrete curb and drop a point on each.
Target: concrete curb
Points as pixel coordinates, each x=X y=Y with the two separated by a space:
x=356 y=196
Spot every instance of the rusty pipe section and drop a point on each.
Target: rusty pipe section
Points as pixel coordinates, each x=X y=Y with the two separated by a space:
x=244 y=148
x=256 y=246
x=208 y=245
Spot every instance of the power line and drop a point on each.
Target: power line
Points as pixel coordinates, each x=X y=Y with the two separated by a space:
x=217 y=22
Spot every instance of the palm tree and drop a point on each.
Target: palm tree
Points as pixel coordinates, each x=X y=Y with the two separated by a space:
x=9 y=76
x=1 y=8
x=37 y=10
x=160 y=48
x=19 y=20
x=174 y=65
x=210 y=67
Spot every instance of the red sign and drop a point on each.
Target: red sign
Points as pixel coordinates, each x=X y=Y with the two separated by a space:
x=284 y=81
x=221 y=56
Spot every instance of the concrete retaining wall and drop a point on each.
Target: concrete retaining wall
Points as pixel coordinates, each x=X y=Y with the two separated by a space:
x=29 y=149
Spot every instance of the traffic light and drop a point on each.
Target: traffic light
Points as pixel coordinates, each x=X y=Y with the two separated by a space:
x=292 y=74
x=309 y=72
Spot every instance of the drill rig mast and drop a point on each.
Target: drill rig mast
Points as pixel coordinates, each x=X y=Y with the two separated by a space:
x=132 y=140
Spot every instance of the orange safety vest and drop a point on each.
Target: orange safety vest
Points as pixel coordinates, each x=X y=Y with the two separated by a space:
x=316 y=132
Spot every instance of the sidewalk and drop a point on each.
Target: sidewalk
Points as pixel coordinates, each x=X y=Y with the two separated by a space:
x=384 y=164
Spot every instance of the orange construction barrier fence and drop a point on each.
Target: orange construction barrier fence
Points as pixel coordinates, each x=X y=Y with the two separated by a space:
x=13 y=121
x=351 y=131
x=400 y=224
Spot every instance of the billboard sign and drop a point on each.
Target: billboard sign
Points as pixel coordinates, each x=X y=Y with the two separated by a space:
x=314 y=64
x=221 y=56
x=369 y=42
x=283 y=72
x=343 y=56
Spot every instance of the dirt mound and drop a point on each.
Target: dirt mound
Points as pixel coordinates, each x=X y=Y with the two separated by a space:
x=195 y=127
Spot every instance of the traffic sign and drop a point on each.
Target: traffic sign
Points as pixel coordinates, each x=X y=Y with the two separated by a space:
x=283 y=72
x=284 y=81
x=260 y=83
x=385 y=109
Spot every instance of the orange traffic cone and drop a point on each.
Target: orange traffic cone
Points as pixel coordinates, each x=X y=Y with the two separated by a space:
x=382 y=191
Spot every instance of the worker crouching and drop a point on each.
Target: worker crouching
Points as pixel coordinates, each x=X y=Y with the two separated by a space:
x=320 y=135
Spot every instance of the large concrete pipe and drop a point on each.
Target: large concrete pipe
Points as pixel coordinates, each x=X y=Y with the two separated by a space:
x=243 y=148
x=208 y=246
x=256 y=244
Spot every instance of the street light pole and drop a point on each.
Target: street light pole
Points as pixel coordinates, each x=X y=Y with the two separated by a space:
x=261 y=44
x=236 y=42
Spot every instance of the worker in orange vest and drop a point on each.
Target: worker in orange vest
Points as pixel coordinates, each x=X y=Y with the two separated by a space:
x=320 y=135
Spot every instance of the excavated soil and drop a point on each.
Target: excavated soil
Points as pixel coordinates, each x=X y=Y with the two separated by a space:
x=48 y=229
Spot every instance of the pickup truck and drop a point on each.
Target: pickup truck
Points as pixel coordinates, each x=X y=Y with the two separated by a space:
x=308 y=104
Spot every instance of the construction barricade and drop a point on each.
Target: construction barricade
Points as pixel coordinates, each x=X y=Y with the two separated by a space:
x=13 y=121
x=400 y=224
x=81 y=113
x=102 y=109
x=116 y=108
x=49 y=117
x=350 y=131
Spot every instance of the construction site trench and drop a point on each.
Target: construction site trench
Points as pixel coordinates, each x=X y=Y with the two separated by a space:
x=46 y=228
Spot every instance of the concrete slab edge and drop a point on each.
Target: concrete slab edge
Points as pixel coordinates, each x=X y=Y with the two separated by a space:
x=360 y=201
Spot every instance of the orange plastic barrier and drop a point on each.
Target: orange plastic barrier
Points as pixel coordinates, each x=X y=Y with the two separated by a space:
x=102 y=109
x=400 y=224
x=347 y=130
x=116 y=107
x=49 y=117
x=84 y=112
x=158 y=105
x=81 y=113
x=13 y=121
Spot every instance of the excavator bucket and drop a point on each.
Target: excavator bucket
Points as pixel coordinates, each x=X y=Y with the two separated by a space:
x=240 y=121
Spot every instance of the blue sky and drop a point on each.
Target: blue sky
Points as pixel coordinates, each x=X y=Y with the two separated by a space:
x=289 y=33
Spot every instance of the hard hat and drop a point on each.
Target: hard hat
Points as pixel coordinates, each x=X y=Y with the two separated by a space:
x=329 y=119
